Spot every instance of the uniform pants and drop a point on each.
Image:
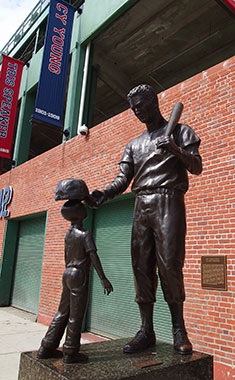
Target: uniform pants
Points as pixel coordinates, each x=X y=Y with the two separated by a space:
x=158 y=245
x=70 y=313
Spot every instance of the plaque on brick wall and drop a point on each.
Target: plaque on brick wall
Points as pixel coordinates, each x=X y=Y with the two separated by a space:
x=214 y=272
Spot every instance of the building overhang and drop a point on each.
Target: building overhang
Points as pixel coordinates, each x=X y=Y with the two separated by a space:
x=160 y=43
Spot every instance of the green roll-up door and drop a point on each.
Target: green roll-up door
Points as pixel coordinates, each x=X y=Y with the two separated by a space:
x=28 y=268
x=117 y=315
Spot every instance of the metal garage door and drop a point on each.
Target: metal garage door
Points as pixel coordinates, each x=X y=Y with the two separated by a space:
x=117 y=314
x=28 y=267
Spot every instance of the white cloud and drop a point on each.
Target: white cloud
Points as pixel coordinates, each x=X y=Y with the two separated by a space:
x=12 y=14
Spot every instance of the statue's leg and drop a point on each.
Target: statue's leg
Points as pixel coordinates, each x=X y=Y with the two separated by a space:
x=144 y=269
x=78 y=284
x=182 y=344
x=170 y=240
x=57 y=327
x=146 y=314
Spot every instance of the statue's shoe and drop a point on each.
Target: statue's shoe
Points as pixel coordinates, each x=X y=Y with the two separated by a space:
x=47 y=353
x=75 y=358
x=140 y=342
x=182 y=344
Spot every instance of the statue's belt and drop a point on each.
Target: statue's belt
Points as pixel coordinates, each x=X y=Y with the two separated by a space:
x=159 y=190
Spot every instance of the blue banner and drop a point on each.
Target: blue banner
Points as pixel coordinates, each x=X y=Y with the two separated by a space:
x=49 y=105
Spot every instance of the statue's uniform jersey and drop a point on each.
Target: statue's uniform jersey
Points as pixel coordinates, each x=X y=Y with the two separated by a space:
x=151 y=167
x=78 y=244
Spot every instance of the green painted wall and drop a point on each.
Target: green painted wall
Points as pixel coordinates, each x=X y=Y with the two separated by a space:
x=98 y=14
x=24 y=129
x=30 y=75
x=8 y=262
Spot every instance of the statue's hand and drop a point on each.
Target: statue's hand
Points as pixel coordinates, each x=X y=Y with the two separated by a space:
x=95 y=199
x=167 y=144
x=108 y=288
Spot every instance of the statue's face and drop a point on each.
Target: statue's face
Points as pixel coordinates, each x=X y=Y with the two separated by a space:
x=74 y=211
x=143 y=108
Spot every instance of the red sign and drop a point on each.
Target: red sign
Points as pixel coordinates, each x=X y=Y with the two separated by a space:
x=9 y=91
x=230 y=4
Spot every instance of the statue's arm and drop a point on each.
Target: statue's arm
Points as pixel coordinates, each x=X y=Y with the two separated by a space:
x=121 y=182
x=191 y=159
x=106 y=284
x=118 y=186
x=189 y=155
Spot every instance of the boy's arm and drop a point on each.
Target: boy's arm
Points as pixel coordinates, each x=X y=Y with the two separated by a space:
x=98 y=267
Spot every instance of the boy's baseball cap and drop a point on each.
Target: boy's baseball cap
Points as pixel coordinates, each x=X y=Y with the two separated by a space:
x=71 y=188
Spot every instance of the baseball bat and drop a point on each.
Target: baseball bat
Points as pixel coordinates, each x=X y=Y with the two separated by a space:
x=174 y=118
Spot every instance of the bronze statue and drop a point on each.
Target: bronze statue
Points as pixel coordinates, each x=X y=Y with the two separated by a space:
x=157 y=164
x=80 y=252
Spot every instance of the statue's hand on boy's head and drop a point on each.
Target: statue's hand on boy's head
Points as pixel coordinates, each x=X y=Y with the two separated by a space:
x=95 y=199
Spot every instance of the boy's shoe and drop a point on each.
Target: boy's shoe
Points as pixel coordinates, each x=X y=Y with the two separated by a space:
x=47 y=353
x=75 y=358
x=140 y=342
x=182 y=344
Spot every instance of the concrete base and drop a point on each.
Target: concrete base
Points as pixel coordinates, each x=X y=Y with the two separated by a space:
x=107 y=362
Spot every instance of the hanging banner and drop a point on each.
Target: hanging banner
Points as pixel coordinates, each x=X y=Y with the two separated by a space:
x=230 y=4
x=52 y=83
x=9 y=91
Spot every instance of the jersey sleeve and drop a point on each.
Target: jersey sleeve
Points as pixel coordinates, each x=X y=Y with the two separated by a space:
x=127 y=155
x=89 y=242
x=185 y=136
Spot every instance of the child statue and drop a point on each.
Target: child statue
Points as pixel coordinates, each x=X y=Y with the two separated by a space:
x=80 y=253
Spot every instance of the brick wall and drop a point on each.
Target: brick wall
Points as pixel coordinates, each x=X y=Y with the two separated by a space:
x=210 y=110
x=208 y=99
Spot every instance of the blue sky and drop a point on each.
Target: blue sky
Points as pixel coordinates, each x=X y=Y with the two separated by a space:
x=12 y=14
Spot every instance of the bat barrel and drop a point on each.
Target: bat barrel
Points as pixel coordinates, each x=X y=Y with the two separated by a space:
x=174 y=117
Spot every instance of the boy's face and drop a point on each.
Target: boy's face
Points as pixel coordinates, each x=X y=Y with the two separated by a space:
x=74 y=211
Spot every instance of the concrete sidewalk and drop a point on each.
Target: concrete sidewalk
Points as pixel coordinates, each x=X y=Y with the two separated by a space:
x=19 y=333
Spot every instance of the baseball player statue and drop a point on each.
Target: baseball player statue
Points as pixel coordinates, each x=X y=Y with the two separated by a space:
x=157 y=162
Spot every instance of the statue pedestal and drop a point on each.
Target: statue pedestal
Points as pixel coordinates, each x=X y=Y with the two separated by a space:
x=107 y=362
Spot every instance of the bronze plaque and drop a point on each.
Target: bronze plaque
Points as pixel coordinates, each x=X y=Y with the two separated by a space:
x=214 y=272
